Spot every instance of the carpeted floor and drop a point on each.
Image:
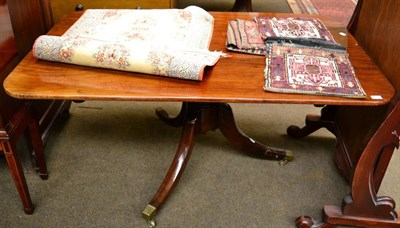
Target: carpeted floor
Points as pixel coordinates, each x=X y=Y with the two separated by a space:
x=108 y=159
x=341 y=10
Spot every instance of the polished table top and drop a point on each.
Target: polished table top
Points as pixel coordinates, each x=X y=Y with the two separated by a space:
x=236 y=78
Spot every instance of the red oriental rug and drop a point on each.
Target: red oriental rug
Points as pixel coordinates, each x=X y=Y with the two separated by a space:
x=341 y=10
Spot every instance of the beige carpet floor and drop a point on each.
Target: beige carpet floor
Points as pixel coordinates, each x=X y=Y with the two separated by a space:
x=108 y=159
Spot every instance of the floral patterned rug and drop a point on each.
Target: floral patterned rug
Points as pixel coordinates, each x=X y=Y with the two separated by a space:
x=341 y=10
x=170 y=42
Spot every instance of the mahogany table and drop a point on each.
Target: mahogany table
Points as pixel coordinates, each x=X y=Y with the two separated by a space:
x=238 y=78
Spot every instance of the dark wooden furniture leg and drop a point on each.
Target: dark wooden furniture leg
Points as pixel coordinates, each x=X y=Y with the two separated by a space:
x=174 y=172
x=226 y=124
x=38 y=149
x=17 y=173
x=314 y=123
x=190 y=123
x=199 y=118
x=22 y=120
x=363 y=207
x=242 y=6
x=177 y=121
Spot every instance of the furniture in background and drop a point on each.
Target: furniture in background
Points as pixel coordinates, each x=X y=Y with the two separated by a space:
x=62 y=7
x=276 y=6
x=21 y=23
x=367 y=136
x=242 y=6
x=204 y=103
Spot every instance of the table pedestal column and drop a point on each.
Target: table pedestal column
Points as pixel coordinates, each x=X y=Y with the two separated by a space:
x=195 y=118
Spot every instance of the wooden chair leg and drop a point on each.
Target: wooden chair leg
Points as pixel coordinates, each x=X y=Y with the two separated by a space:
x=37 y=144
x=17 y=125
x=17 y=173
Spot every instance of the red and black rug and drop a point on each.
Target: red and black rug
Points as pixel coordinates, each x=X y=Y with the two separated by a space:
x=341 y=10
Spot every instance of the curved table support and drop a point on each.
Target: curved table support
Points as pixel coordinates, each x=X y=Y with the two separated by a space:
x=241 y=141
x=175 y=171
x=314 y=123
x=200 y=118
x=177 y=121
x=363 y=207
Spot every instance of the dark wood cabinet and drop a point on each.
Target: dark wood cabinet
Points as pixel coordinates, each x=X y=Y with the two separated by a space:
x=62 y=7
x=21 y=22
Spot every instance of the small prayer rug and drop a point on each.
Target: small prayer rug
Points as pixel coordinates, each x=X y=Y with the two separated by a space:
x=293 y=27
x=309 y=70
x=244 y=36
x=340 y=10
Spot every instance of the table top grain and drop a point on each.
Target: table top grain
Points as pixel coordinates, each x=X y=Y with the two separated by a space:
x=235 y=78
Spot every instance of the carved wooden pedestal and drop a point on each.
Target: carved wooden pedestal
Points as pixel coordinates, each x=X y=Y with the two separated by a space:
x=363 y=207
x=196 y=118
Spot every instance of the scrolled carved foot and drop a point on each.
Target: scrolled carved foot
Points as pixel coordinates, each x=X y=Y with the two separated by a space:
x=304 y=222
x=313 y=123
x=294 y=131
